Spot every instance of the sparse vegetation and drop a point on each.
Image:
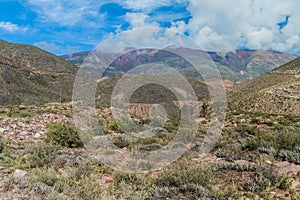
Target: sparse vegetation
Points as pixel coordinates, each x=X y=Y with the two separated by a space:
x=1 y=145
x=120 y=142
x=64 y=134
x=280 y=140
x=41 y=154
x=113 y=125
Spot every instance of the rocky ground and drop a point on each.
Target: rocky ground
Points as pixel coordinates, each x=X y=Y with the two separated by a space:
x=31 y=168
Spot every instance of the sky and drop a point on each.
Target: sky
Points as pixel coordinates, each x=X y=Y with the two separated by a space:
x=65 y=27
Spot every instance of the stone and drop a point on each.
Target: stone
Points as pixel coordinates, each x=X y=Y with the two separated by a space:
x=22 y=137
x=20 y=173
x=287 y=167
x=37 y=135
x=23 y=133
x=295 y=184
x=268 y=162
x=107 y=179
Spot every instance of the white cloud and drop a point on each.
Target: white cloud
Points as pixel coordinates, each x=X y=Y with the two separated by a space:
x=59 y=49
x=150 y=37
x=138 y=20
x=10 y=27
x=178 y=26
x=51 y=47
x=144 y=5
x=64 y=12
x=217 y=25
x=209 y=40
x=227 y=24
x=262 y=38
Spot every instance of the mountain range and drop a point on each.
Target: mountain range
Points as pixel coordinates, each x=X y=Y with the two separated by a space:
x=42 y=151
x=29 y=75
x=237 y=66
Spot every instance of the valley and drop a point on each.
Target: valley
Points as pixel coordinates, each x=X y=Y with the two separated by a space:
x=42 y=155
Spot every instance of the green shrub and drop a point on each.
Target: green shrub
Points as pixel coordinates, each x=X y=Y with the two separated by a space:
x=131 y=179
x=113 y=125
x=266 y=141
x=86 y=189
x=18 y=112
x=1 y=145
x=120 y=142
x=185 y=173
x=38 y=156
x=131 y=186
x=173 y=121
x=183 y=179
x=64 y=134
x=251 y=130
x=291 y=156
x=47 y=176
x=285 y=139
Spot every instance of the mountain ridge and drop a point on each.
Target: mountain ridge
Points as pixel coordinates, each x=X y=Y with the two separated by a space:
x=237 y=66
x=276 y=92
x=29 y=75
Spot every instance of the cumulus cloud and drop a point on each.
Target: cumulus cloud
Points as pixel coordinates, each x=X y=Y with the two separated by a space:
x=138 y=20
x=10 y=27
x=220 y=26
x=225 y=25
x=150 y=37
x=262 y=38
x=216 y=26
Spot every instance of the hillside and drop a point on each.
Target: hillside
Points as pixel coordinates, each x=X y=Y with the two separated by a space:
x=275 y=92
x=149 y=94
x=43 y=156
x=236 y=66
x=29 y=75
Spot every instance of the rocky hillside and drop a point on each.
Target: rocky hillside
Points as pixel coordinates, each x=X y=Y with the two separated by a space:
x=147 y=95
x=29 y=75
x=274 y=92
x=235 y=66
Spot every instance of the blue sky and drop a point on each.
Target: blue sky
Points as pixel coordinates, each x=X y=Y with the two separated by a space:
x=64 y=27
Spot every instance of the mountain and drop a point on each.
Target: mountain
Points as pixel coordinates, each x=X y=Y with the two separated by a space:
x=275 y=92
x=149 y=93
x=29 y=75
x=237 y=66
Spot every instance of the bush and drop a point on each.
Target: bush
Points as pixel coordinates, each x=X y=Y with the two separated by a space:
x=264 y=141
x=120 y=142
x=183 y=179
x=131 y=186
x=38 y=156
x=287 y=140
x=47 y=176
x=283 y=140
x=173 y=121
x=251 y=130
x=184 y=173
x=113 y=125
x=1 y=145
x=64 y=134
